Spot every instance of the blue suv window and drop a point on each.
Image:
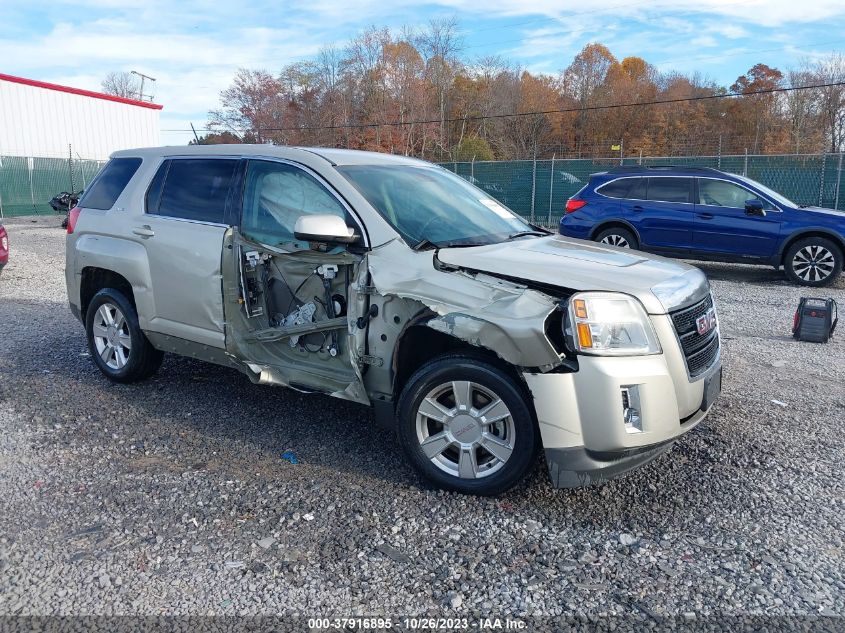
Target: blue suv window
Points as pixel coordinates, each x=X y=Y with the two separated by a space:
x=639 y=189
x=721 y=193
x=670 y=189
x=617 y=188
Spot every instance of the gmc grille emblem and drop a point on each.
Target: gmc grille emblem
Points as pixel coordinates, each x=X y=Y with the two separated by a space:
x=706 y=322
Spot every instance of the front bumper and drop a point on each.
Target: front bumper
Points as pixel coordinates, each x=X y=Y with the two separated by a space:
x=581 y=414
x=577 y=467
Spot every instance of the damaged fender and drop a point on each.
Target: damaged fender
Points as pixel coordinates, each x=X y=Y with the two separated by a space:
x=485 y=311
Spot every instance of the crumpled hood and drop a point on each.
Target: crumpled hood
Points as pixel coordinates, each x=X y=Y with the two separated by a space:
x=660 y=284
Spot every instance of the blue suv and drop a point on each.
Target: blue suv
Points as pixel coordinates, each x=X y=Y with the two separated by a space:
x=703 y=213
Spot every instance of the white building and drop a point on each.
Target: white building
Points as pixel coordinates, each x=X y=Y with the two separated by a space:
x=43 y=119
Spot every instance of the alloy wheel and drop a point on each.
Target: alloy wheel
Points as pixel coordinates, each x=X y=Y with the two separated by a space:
x=813 y=263
x=615 y=240
x=111 y=336
x=465 y=429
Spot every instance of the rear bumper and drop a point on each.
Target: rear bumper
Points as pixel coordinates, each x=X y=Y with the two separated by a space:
x=571 y=226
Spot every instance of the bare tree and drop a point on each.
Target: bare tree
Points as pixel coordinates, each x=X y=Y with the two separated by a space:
x=440 y=45
x=831 y=70
x=121 y=84
x=801 y=107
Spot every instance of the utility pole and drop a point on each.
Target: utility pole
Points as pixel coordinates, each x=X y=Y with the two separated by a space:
x=143 y=77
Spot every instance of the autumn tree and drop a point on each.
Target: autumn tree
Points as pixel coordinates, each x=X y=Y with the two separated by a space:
x=756 y=115
x=411 y=92
x=253 y=105
x=219 y=138
x=584 y=81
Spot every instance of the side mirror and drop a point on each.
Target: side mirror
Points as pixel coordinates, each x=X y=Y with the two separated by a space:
x=754 y=207
x=323 y=228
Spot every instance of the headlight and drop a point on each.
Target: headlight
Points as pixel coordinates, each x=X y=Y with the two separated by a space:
x=609 y=324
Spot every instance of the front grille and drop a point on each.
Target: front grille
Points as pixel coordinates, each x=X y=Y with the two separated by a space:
x=700 y=351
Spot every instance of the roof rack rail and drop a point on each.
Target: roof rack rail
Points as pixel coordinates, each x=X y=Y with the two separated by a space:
x=641 y=168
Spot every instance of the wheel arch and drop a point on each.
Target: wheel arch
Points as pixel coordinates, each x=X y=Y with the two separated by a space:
x=419 y=344
x=805 y=233
x=615 y=223
x=95 y=279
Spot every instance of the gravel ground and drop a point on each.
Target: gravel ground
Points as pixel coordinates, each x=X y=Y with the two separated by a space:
x=170 y=497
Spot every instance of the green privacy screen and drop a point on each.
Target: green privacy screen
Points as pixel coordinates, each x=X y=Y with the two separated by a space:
x=28 y=184
x=540 y=189
x=537 y=189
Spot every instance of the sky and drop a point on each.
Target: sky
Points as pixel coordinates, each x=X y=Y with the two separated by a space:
x=194 y=47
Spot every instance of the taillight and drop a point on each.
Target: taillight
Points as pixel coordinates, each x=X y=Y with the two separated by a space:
x=573 y=205
x=72 y=217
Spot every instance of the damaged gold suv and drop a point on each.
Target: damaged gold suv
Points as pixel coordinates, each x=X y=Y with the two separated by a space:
x=389 y=281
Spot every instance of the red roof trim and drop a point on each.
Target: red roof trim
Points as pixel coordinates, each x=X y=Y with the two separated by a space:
x=79 y=91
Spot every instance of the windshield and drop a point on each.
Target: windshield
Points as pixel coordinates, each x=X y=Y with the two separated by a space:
x=774 y=195
x=431 y=205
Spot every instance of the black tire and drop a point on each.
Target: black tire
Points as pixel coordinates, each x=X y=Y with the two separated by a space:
x=617 y=236
x=813 y=261
x=142 y=361
x=517 y=429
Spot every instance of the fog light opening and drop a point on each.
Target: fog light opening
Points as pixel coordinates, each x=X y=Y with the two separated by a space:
x=631 y=409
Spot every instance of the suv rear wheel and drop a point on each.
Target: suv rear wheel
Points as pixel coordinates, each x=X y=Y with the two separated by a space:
x=465 y=426
x=616 y=236
x=813 y=261
x=115 y=340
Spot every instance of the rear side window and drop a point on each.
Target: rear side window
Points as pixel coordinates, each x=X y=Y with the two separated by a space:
x=110 y=183
x=670 y=189
x=638 y=189
x=192 y=189
x=617 y=188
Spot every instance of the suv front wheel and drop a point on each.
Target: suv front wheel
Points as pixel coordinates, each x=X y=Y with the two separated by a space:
x=115 y=340
x=465 y=426
x=813 y=261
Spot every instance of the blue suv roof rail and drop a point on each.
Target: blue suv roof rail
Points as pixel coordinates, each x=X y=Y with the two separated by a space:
x=650 y=168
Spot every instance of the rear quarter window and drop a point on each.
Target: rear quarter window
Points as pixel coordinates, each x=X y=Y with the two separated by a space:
x=110 y=183
x=617 y=188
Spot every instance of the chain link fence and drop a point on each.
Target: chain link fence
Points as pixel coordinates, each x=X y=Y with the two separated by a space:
x=538 y=190
x=28 y=184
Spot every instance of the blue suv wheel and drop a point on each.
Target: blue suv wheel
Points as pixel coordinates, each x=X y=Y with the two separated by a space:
x=617 y=236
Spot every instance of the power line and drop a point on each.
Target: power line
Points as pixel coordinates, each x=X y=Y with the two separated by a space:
x=633 y=104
